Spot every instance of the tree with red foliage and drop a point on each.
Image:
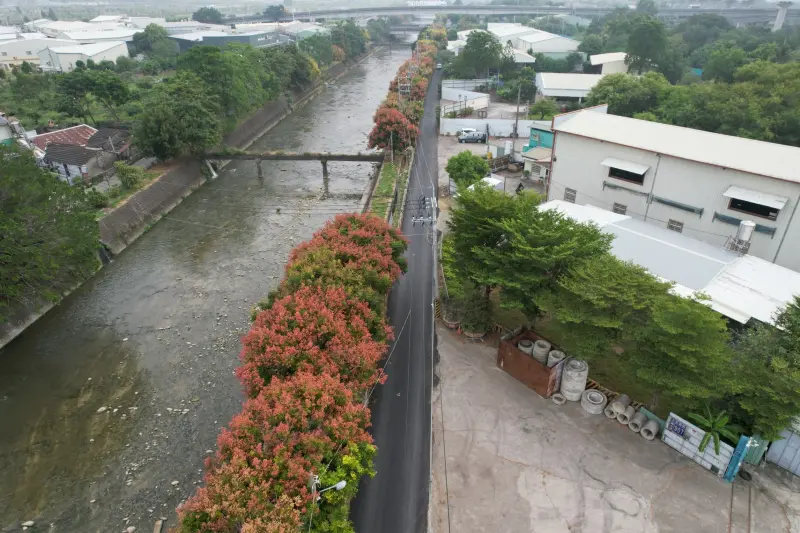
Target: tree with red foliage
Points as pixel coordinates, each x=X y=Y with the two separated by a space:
x=315 y=329
x=258 y=479
x=392 y=128
x=419 y=89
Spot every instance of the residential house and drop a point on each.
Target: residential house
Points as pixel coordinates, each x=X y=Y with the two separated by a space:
x=6 y=133
x=611 y=63
x=565 y=87
x=65 y=151
x=739 y=286
x=111 y=140
x=70 y=161
x=538 y=152
x=695 y=182
x=64 y=58
x=17 y=51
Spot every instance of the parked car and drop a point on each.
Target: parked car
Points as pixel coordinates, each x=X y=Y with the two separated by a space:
x=438 y=66
x=464 y=131
x=472 y=137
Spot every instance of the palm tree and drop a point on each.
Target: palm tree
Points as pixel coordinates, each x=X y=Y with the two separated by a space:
x=715 y=426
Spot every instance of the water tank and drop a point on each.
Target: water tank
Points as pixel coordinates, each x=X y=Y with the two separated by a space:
x=573 y=381
x=540 y=351
x=526 y=346
x=508 y=146
x=745 y=231
x=555 y=357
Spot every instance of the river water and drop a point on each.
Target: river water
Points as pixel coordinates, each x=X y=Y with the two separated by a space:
x=109 y=403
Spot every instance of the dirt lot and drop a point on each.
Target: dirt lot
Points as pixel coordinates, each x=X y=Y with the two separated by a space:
x=507 y=460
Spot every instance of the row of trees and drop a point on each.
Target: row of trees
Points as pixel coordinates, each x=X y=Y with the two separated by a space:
x=309 y=359
x=398 y=117
x=551 y=266
x=763 y=102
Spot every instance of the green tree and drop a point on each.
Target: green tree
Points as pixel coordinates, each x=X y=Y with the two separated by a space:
x=627 y=95
x=109 y=89
x=319 y=47
x=544 y=107
x=647 y=45
x=591 y=45
x=673 y=63
x=26 y=68
x=74 y=94
x=208 y=15
x=715 y=426
x=682 y=350
x=700 y=30
x=768 y=364
x=349 y=37
x=467 y=168
x=178 y=117
x=275 y=12
x=599 y=301
x=482 y=52
x=144 y=40
x=125 y=64
x=48 y=233
x=723 y=62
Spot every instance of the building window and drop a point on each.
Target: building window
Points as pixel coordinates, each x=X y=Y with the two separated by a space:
x=614 y=172
x=674 y=225
x=536 y=169
x=569 y=195
x=753 y=209
x=619 y=208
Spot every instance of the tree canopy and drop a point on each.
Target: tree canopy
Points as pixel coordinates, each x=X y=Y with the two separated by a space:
x=467 y=168
x=48 y=233
x=208 y=14
x=482 y=52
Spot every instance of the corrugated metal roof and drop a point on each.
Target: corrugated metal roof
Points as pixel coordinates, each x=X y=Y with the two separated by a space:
x=198 y=35
x=68 y=153
x=77 y=135
x=612 y=57
x=87 y=49
x=747 y=155
x=739 y=286
x=88 y=35
x=570 y=82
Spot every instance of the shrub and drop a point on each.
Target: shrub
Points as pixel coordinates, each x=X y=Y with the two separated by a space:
x=96 y=198
x=129 y=176
x=258 y=479
x=313 y=330
x=392 y=129
x=338 y=53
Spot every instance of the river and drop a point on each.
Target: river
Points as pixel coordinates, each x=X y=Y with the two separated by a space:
x=110 y=403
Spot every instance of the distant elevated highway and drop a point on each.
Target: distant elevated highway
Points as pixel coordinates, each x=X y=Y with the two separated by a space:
x=735 y=15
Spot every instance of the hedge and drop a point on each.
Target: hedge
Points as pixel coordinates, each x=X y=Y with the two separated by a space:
x=312 y=353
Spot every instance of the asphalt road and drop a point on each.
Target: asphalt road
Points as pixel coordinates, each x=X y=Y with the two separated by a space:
x=396 y=499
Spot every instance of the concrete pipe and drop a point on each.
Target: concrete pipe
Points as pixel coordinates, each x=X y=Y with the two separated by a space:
x=593 y=401
x=636 y=423
x=649 y=430
x=526 y=346
x=625 y=418
x=555 y=357
x=609 y=412
x=558 y=399
x=540 y=351
x=573 y=379
x=621 y=403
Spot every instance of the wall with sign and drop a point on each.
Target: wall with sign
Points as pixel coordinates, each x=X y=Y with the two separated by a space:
x=685 y=437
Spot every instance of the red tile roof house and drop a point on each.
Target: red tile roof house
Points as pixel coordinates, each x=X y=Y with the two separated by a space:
x=68 y=152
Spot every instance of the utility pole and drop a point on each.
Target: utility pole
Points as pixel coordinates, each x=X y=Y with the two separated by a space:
x=516 y=125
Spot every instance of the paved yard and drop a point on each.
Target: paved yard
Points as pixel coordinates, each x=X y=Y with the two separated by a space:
x=506 y=460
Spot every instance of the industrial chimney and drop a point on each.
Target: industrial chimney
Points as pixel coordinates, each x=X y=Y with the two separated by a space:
x=741 y=242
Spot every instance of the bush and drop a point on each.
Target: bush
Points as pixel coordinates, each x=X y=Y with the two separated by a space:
x=96 y=198
x=130 y=176
x=392 y=130
x=475 y=312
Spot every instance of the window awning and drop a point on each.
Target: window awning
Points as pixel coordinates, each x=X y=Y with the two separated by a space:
x=628 y=166
x=755 y=197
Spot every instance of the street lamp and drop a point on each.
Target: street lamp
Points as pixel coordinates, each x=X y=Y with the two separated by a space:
x=315 y=494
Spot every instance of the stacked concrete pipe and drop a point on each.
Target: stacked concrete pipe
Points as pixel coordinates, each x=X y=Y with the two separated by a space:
x=625 y=417
x=526 y=346
x=621 y=403
x=540 y=350
x=555 y=357
x=650 y=430
x=593 y=401
x=636 y=423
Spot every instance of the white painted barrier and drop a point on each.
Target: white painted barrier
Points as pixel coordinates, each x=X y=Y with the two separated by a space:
x=498 y=127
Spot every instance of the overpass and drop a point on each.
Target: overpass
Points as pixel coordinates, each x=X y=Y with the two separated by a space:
x=735 y=15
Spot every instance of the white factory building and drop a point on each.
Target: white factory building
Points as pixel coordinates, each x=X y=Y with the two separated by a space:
x=529 y=40
x=611 y=63
x=15 y=52
x=689 y=181
x=565 y=87
x=63 y=58
x=99 y=36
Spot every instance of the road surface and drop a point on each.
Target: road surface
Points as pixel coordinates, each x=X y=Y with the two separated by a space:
x=396 y=499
